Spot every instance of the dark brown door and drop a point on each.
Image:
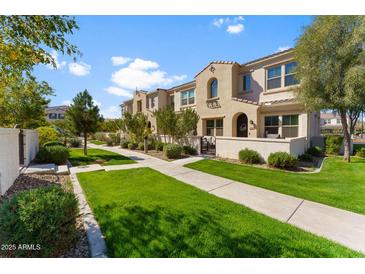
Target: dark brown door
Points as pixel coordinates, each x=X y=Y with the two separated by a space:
x=21 y=148
x=242 y=125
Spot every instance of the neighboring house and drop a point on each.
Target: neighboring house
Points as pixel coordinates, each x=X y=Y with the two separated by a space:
x=251 y=100
x=330 y=122
x=55 y=113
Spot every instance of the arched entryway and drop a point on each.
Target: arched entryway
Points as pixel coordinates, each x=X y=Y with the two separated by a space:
x=242 y=126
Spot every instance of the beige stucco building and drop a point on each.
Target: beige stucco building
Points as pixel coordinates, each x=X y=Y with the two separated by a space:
x=251 y=100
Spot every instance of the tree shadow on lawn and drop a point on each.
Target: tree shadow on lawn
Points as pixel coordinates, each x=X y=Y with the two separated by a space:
x=104 y=158
x=135 y=231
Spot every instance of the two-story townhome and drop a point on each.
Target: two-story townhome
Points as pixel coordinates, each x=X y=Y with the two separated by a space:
x=255 y=100
x=55 y=113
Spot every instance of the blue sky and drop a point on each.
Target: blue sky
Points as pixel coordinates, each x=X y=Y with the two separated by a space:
x=159 y=51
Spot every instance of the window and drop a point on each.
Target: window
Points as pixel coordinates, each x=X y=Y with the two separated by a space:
x=219 y=127
x=52 y=116
x=247 y=82
x=61 y=116
x=215 y=127
x=338 y=121
x=290 y=79
x=290 y=125
x=274 y=77
x=210 y=127
x=272 y=124
x=172 y=100
x=188 y=97
x=139 y=106
x=214 y=88
x=151 y=102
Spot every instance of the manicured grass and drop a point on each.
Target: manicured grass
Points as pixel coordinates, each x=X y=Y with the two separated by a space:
x=143 y=213
x=97 y=142
x=339 y=184
x=77 y=157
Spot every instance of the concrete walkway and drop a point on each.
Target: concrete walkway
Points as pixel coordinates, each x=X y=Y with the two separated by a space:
x=344 y=227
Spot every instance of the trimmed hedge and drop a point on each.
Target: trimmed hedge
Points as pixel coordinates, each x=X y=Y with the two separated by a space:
x=141 y=146
x=315 y=151
x=361 y=152
x=124 y=144
x=53 y=143
x=282 y=160
x=172 y=151
x=249 y=156
x=132 y=145
x=306 y=157
x=109 y=142
x=333 y=144
x=189 y=150
x=52 y=154
x=159 y=145
x=75 y=142
x=44 y=216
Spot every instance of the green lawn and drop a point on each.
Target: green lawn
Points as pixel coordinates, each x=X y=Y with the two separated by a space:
x=77 y=157
x=339 y=184
x=97 y=142
x=143 y=213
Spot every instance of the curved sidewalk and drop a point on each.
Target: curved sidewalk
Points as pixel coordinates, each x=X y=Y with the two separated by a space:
x=344 y=227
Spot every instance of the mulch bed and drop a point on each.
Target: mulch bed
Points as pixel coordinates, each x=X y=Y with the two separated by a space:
x=30 y=181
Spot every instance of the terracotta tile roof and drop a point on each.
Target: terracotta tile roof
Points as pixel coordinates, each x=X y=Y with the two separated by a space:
x=268 y=56
x=245 y=101
x=273 y=102
x=217 y=62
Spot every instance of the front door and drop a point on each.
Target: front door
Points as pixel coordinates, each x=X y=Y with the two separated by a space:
x=242 y=125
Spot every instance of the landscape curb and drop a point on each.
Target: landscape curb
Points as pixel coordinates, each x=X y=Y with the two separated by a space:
x=95 y=238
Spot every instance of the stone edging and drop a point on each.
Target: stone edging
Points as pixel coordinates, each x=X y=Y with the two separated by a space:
x=95 y=238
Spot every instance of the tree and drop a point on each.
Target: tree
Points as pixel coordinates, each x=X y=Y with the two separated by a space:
x=136 y=126
x=110 y=125
x=83 y=116
x=22 y=103
x=63 y=129
x=331 y=67
x=25 y=40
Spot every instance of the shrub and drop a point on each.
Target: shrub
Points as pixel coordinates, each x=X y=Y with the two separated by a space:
x=141 y=146
x=315 y=151
x=159 y=146
x=333 y=144
x=109 y=142
x=132 y=145
x=124 y=144
x=361 y=152
x=44 y=216
x=114 y=137
x=249 y=156
x=47 y=134
x=100 y=136
x=151 y=144
x=306 y=157
x=172 y=151
x=52 y=154
x=74 y=142
x=282 y=160
x=189 y=150
x=53 y=143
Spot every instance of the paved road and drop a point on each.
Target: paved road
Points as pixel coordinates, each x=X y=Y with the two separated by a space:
x=344 y=227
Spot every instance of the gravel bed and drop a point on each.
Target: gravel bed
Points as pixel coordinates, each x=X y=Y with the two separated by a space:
x=29 y=181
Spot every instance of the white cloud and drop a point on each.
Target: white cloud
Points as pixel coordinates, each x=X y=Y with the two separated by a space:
x=118 y=91
x=79 y=69
x=111 y=112
x=235 y=29
x=66 y=102
x=179 y=77
x=283 y=48
x=234 y=24
x=140 y=74
x=120 y=60
x=59 y=65
x=140 y=64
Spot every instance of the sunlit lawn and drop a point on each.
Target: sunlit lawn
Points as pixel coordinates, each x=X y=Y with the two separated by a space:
x=97 y=156
x=143 y=213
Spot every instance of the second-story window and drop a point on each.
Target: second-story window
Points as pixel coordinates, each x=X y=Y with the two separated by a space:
x=290 y=72
x=274 y=77
x=214 y=88
x=187 y=97
x=139 y=106
x=246 y=82
x=151 y=101
x=52 y=116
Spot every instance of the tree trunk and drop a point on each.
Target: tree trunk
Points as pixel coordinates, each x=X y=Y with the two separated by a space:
x=145 y=145
x=347 y=136
x=85 y=143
